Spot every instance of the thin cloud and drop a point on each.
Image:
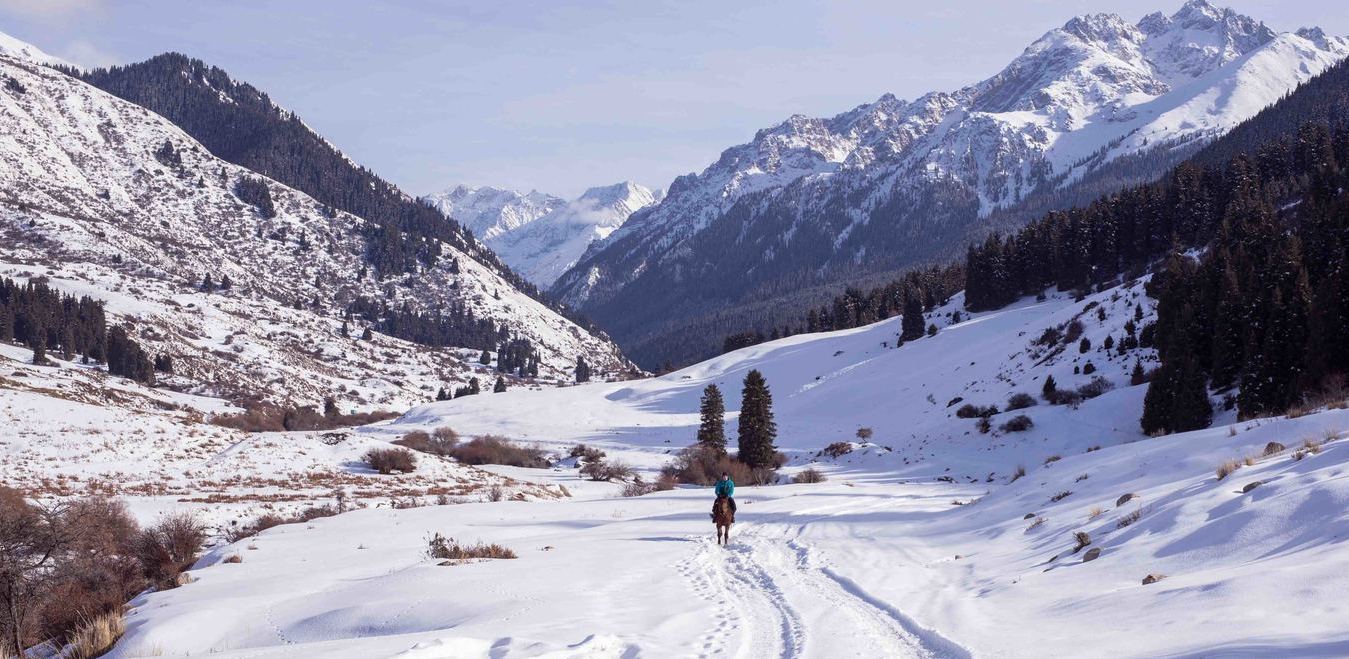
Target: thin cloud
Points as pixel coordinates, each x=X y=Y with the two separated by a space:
x=49 y=8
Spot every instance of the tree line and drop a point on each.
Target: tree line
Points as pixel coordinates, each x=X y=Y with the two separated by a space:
x=1248 y=242
x=46 y=320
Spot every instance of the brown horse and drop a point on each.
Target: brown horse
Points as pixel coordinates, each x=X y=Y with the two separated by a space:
x=723 y=517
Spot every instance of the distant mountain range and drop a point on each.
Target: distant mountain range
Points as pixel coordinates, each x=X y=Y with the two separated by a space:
x=540 y=235
x=1088 y=108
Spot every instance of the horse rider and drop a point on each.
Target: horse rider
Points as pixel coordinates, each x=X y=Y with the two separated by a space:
x=726 y=488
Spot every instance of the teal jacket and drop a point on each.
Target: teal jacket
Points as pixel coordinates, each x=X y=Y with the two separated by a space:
x=725 y=488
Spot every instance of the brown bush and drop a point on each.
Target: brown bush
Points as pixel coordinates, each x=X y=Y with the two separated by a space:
x=390 y=460
x=972 y=411
x=698 y=466
x=837 y=450
x=269 y=520
x=601 y=470
x=586 y=453
x=864 y=433
x=666 y=482
x=169 y=547
x=1018 y=423
x=1018 y=474
x=268 y=417
x=1020 y=401
x=809 y=475
x=1225 y=469
x=442 y=442
x=448 y=549
x=490 y=449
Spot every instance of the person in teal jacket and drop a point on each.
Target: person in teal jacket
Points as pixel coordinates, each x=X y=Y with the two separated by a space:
x=726 y=488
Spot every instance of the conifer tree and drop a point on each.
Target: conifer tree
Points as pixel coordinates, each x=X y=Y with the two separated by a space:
x=712 y=429
x=912 y=325
x=1050 y=387
x=582 y=369
x=757 y=429
x=500 y=386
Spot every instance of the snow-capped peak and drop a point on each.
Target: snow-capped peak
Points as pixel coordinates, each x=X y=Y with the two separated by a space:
x=20 y=49
x=540 y=235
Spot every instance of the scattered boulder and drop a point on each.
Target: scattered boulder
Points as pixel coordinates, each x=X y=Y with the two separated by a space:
x=1091 y=555
x=1029 y=516
x=1274 y=447
x=1125 y=499
x=1153 y=578
x=1251 y=486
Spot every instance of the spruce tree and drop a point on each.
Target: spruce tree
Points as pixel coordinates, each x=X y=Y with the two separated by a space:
x=712 y=429
x=911 y=325
x=500 y=386
x=1050 y=388
x=582 y=370
x=757 y=428
x=485 y=358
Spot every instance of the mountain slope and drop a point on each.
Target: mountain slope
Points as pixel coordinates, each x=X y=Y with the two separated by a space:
x=106 y=198
x=539 y=235
x=240 y=124
x=896 y=183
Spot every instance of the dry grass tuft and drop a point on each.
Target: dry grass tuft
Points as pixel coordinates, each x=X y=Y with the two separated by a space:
x=96 y=636
x=809 y=475
x=233 y=558
x=1132 y=517
x=1096 y=511
x=1039 y=521
x=449 y=549
x=1227 y=468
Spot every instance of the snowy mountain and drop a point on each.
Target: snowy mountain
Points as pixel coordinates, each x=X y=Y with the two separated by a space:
x=539 y=235
x=894 y=183
x=18 y=49
x=105 y=198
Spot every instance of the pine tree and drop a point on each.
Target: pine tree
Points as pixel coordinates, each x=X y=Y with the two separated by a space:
x=500 y=386
x=367 y=335
x=485 y=358
x=1138 y=376
x=757 y=428
x=38 y=342
x=582 y=370
x=712 y=429
x=911 y=325
x=1050 y=387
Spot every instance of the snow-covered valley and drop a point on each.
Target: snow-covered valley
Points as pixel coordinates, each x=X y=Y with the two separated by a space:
x=923 y=542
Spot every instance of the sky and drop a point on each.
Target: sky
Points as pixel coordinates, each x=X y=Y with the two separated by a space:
x=561 y=96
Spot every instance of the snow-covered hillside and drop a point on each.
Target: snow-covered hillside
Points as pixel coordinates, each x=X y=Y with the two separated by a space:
x=107 y=199
x=927 y=542
x=893 y=183
x=539 y=235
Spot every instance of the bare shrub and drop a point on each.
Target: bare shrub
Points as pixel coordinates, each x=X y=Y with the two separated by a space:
x=169 y=547
x=390 y=460
x=864 y=433
x=602 y=470
x=233 y=559
x=1061 y=496
x=491 y=449
x=1018 y=474
x=269 y=520
x=1312 y=446
x=971 y=411
x=1063 y=397
x=1020 y=401
x=1096 y=387
x=809 y=475
x=638 y=488
x=1018 y=423
x=1132 y=517
x=268 y=417
x=698 y=466
x=1039 y=521
x=496 y=493
x=1052 y=459
x=448 y=549
x=983 y=425
x=1225 y=469
x=837 y=449
x=1096 y=511
x=442 y=442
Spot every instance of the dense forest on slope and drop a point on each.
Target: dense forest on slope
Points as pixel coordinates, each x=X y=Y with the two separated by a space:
x=45 y=320
x=1252 y=234
x=240 y=124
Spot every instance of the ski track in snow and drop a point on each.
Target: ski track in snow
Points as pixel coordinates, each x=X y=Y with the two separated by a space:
x=768 y=576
